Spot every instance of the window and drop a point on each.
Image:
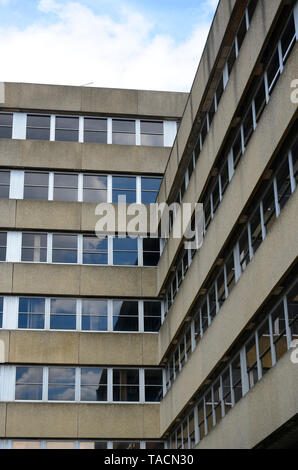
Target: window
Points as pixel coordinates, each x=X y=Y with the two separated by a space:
x=230 y=271
x=292 y=304
x=126 y=445
x=264 y=347
x=124 y=186
x=256 y=229
x=26 y=445
x=251 y=362
x=93 y=445
x=65 y=187
x=61 y=384
x=283 y=183
x=241 y=32
x=204 y=131
x=152 y=316
x=95 y=130
x=151 y=251
x=248 y=126
x=126 y=385
x=294 y=152
x=212 y=111
x=94 y=384
x=153 y=385
x=38 y=127
x=4 y=183
x=260 y=101
x=60 y=445
x=1 y=312
x=236 y=379
x=232 y=58
x=152 y=133
x=64 y=248
x=273 y=71
x=150 y=189
x=125 y=251
x=288 y=38
x=226 y=390
x=279 y=331
x=34 y=247
x=237 y=150
x=124 y=132
x=6 y=125
x=125 y=315
x=244 y=250
x=63 y=314
x=28 y=383
x=31 y=313
x=67 y=129
x=269 y=208
x=95 y=250
x=219 y=90
x=36 y=185
x=95 y=188
x=94 y=315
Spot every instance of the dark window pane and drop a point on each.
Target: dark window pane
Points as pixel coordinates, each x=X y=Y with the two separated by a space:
x=33 y=321
x=152 y=308
x=124 y=139
x=288 y=36
x=67 y=136
x=241 y=32
x=5 y=119
x=94 y=124
x=34 y=192
x=65 y=241
x=4 y=177
x=95 y=137
x=152 y=324
x=28 y=304
x=125 y=324
x=63 y=322
x=151 y=127
x=36 y=178
x=151 y=244
x=248 y=127
x=125 y=258
x=67 y=122
x=38 y=134
x=152 y=140
x=94 y=393
x=124 y=126
x=150 y=259
x=5 y=132
x=260 y=101
x=65 y=180
x=125 y=393
x=273 y=71
x=36 y=120
x=126 y=307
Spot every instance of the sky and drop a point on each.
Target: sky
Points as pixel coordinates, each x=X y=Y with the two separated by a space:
x=150 y=45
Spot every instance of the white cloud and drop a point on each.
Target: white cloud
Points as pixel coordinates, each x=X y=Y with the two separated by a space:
x=82 y=47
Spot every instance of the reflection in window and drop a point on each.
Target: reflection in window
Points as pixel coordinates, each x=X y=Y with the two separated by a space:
x=34 y=247
x=125 y=385
x=126 y=445
x=38 y=127
x=94 y=384
x=61 y=384
x=65 y=187
x=95 y=250
x=63 y=314
x=4 y=184
x=124 y=132
x=152 y=133
x=94 y=315
x=125 y=315
x=28 y=383
x=64 y=248
x=125 y=251
x=6 y=125
x=36 y=185
x=67 y=129
x=124 y=186
x=31 y=313
x=150 y=188
x=95 y=130
x=95 y=188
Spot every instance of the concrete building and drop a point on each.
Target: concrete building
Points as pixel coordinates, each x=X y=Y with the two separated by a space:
x=142 y=343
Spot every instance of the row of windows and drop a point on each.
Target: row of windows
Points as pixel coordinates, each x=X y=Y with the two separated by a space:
x=59 y=186
x=260 y=352
x=212 y=198
x=86 y=444
x=78 y=249
x=86 y=129
x=261 y=214
x=85 y=384
x=205 y=127
x=80 y=314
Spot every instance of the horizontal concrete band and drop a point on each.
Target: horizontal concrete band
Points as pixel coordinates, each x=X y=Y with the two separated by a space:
x=26 y=214
x=79 y=348
x=73 y=280
x=78 y=421
x=268 y=267
x=270 y=404
x=277 y=117
x=74 y=156
x=243 y=68
x=106 y=101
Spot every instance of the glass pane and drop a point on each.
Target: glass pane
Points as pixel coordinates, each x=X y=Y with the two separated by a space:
x=151 y=127
x=95 y=137
x=151 y=184
x=124 y=126
x=37 y=120
x=60 y=445
x=26 y=445
x=66 y=306
x=38 y=134
x=65 y=180
x=95 y=307
x=65 y=122
x=36 y=179
x=61 y=383
x=125 y=324
x=6 y=119
x=34 y=192
x=124 y=139
x=264 y=347
x=67 y=136
x=94 y=124
x=94 y=323
x=65 y=241
x=152 y=140
x=130 y=244
x=61 y=194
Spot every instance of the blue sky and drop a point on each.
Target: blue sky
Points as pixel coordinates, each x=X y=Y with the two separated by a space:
x=118 y=43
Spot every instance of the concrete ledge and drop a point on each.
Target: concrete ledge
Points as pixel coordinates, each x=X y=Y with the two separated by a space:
x=79 y=348
x=78 y=421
